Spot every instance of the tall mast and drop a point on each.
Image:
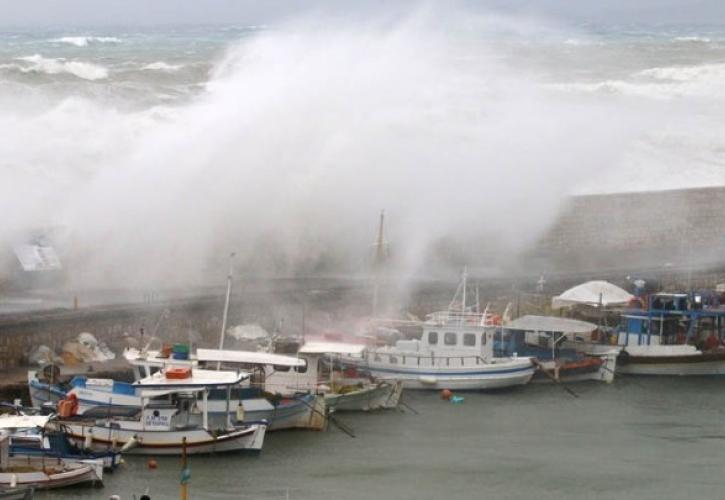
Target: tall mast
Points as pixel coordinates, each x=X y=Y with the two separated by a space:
x=378 y=260
x=464 y=285
x=226 y=306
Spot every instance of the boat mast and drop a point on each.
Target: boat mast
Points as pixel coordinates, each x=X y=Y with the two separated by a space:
x=226 y=307
x=464 y=286
x=378 y=260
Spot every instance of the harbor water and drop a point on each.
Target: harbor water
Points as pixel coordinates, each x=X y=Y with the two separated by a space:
x=637 y=438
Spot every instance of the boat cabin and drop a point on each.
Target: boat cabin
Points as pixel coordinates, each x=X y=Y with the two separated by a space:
x=674 y=319
x=170 y=402
x=451 y=331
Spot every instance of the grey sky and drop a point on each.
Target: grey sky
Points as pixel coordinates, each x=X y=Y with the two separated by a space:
x=132 y=12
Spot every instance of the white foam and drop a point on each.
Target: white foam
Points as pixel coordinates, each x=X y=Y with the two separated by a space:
x=693 y=39
x=87 y=71
x=162 y=66
x=84 y=41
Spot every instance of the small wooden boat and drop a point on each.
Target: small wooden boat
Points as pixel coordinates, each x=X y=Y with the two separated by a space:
x=552 y=343
x=44 y=473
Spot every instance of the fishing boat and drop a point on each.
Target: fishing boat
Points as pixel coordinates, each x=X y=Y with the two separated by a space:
x=454 y=352
x=343 y=390
x=44 y=386
x=253 y=402
x=172 y=416
x=553 y=343
x=673 y=334
x=344 y=387
x=34 y=435
x=24 y=471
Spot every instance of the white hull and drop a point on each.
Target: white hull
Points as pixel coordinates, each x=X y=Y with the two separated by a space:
x=198 y=441
x=477 y=377
x=50 y=473
x=383 y=395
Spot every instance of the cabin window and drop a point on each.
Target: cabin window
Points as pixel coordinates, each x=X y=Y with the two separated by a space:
x=433 y=338
x=393 y=360
x=376 y=358
x=469 y=339
x=450 y=338
x=483 y=338
x=303 y=368
x=280 y=368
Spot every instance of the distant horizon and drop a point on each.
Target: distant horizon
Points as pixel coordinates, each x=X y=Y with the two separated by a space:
x=88 y=13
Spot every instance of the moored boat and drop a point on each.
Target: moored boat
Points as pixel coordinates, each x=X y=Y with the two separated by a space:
x=552 y=342
x=454 y=352
x=166 y=422
x=43 y=472
x=673 y=334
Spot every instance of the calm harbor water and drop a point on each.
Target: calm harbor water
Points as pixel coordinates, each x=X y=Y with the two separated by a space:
x=638 y=438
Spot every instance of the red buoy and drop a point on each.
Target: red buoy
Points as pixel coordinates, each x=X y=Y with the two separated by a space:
x=446 y=394
x=152 y=463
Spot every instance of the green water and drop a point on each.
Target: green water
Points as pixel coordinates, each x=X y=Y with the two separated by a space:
x=635 y=439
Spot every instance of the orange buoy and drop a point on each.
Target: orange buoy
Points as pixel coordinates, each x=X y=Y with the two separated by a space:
x=152 y=463
x=446 y=394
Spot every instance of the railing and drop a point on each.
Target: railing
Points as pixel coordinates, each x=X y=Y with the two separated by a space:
x=461 y=318
x=426 y=360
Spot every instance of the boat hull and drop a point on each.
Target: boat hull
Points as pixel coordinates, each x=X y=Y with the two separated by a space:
x=598 y=368
x=484 y=377
x=698 y=364
x=198 y=441
x=301 y=412
x=44 y=477
x=383 y=395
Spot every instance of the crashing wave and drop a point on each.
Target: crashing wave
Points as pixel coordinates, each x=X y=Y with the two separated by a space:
x=84 y=70
x=84 y=41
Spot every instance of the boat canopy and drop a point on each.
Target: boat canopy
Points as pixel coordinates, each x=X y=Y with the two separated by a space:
x=550 y=324
x=247 y=357
x=199 y=379
x=593 y=293
x=23 y=421
x=331 y=348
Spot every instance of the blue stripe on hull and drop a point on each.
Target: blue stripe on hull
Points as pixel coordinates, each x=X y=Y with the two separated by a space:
x=451 y=374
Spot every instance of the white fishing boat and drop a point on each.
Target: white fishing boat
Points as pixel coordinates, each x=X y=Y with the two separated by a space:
x=169 y=418
x=454 y=352
x=316 y=373
x=252 y=402
x=42 y=472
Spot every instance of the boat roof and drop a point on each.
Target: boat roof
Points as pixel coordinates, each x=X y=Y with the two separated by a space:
x=550 y=324
x=23 y=421
x=153 y=358
x=198 y=380
x=331 y=348
x=248 y=357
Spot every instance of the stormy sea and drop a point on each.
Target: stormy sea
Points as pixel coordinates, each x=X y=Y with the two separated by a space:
x=151 y=139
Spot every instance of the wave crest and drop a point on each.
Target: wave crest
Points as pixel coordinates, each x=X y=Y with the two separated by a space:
x=162 y=66
x=84 y=41
x=39 y=64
